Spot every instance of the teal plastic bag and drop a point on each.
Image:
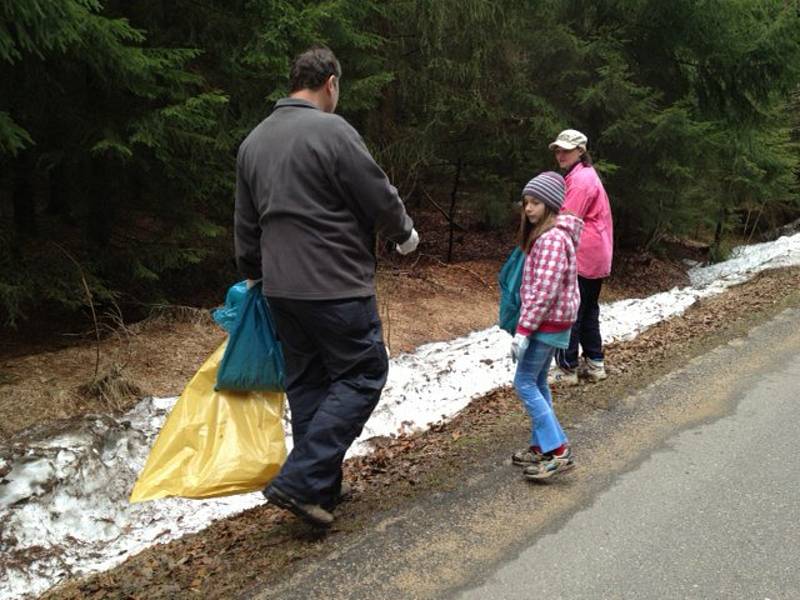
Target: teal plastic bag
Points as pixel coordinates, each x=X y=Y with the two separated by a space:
x=510 y=280
x=253 y=359
x=227 y=316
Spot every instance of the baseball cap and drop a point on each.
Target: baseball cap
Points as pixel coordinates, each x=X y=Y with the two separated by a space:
x=569 y=139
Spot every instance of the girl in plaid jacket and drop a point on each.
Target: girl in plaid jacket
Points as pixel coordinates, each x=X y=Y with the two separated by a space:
x=550 y=300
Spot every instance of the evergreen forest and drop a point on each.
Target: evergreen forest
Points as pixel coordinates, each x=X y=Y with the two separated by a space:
x=120 y=122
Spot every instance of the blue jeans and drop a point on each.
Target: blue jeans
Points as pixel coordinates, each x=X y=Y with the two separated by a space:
x=530 y=382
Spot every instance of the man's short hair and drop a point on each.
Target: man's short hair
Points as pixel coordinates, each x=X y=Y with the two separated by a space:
x=312 y=68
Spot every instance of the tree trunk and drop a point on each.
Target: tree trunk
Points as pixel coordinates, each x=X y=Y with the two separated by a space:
x=718 y=231
x=57 y=192
x=22 y=196
x=102 y=195
x=452 y=211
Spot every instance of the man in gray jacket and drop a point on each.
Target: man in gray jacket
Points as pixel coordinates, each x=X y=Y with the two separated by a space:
x=310 y=200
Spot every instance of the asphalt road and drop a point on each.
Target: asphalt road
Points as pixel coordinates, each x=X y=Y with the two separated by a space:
x=714 y=514
x=689 y=488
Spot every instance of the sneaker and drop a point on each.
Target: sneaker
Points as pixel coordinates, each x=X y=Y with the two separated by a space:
x=594 y=370
x=526 y=457
x=550 y=465
x=311 y=513
x=563 y=376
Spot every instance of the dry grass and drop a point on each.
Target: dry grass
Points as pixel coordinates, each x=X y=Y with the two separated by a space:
x=112 y=391
x=170 y=314
x=154 y=357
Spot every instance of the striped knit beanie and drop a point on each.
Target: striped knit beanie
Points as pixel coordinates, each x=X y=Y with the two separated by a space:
x=547 y=187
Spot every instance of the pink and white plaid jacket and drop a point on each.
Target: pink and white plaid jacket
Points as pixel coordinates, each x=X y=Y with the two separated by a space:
x=549 y=291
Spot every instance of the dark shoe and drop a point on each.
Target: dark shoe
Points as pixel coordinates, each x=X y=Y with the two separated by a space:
x=526 y=457
x=345 y=493
x=311 y=513
x=551 y=464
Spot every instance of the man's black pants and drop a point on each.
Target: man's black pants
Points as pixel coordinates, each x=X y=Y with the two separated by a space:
x=336 y=367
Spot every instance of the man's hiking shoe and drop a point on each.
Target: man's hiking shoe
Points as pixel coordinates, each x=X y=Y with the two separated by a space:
x=593 y=370
x=345 y=494
x=526 y=457
x=560 y=375
x=550 y=465
x=311 y=513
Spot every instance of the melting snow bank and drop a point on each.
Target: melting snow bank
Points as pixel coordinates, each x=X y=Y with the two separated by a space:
x=440 y=379
x=64 y=507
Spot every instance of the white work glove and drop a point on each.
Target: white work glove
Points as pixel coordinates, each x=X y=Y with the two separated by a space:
x=252 y=282
x=410 y=244
x=518 y=346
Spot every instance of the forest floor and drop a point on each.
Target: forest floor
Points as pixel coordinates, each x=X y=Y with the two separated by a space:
x=422 y=299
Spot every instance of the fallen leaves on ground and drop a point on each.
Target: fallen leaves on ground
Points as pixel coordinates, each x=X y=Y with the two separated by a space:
x=234 y=554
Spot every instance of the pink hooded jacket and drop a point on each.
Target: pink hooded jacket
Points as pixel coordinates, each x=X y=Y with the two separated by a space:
x=549 y=290
x=587 y=198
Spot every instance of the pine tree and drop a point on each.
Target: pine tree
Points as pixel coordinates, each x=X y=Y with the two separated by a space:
x=119 y=121
x=71 y=142
x=122 y=145
x=680 y=97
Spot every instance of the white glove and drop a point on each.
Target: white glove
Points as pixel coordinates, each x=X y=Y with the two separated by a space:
x=410 y=244
x=252 y=282
x=518 y=346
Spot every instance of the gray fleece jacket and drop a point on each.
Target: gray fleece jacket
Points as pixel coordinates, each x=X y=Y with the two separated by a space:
x=309 y=200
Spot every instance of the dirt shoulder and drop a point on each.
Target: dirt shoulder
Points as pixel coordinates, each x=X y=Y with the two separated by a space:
x=262 y=548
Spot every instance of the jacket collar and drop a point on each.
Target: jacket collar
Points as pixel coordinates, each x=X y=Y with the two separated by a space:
x=296 y=102
x=574 y=169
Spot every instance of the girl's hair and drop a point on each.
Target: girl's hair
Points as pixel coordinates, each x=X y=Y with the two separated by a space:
x=586 y=158
x=529 y=232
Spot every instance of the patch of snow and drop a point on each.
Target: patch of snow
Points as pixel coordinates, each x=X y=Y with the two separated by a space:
x=437 y=381
x=64 y=507
x=745 y=261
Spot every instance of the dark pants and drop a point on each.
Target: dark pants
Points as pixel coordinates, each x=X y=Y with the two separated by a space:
x=586 y=329
x=336 y=367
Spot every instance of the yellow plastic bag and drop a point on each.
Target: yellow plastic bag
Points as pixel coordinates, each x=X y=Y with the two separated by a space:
x=215 y=443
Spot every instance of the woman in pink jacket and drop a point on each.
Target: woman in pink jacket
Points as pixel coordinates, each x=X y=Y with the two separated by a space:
x=587 y=199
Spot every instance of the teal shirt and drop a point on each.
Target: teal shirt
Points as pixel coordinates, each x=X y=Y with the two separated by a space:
x=559 y=339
